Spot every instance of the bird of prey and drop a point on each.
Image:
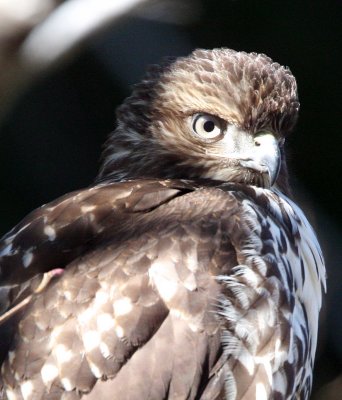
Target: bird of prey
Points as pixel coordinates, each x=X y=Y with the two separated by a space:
x=185 y=271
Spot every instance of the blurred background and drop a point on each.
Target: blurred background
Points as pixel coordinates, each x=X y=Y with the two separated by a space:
x=66 y=65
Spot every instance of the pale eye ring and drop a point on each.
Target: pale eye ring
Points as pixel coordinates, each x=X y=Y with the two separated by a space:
x=207 y=126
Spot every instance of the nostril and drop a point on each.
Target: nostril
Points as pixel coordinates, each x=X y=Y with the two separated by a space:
x=256 y=142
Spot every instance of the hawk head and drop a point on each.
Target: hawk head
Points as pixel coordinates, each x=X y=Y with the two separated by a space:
x=216 y=114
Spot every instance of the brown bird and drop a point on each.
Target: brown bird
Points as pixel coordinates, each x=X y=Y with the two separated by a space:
x=185 y=271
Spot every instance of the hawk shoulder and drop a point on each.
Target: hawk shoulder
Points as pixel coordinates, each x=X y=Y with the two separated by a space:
x=159 y=270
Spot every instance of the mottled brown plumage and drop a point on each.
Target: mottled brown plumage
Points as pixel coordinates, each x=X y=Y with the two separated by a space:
x=152 y=139
x=193 y=278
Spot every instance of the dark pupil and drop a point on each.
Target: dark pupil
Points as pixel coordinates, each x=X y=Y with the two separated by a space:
x=209 y=126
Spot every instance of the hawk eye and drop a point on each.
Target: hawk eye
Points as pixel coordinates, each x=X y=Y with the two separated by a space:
x=207 y=126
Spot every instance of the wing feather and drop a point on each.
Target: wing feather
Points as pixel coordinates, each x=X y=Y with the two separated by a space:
x=177 y=295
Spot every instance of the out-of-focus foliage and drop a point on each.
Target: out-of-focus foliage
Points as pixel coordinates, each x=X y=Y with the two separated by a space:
x=37 y=35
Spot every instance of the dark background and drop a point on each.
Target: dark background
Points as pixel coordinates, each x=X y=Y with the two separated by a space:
x=51 y=140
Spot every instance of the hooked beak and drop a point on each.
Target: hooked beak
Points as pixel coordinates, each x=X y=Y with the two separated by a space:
x=263 y=156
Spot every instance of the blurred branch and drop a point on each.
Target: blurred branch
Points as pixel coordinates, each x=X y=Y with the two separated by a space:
x=36 y=35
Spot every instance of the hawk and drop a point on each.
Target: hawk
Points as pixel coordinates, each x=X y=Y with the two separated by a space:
x=186 y=271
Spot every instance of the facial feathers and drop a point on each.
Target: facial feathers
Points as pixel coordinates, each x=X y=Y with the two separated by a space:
x=245 y=90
